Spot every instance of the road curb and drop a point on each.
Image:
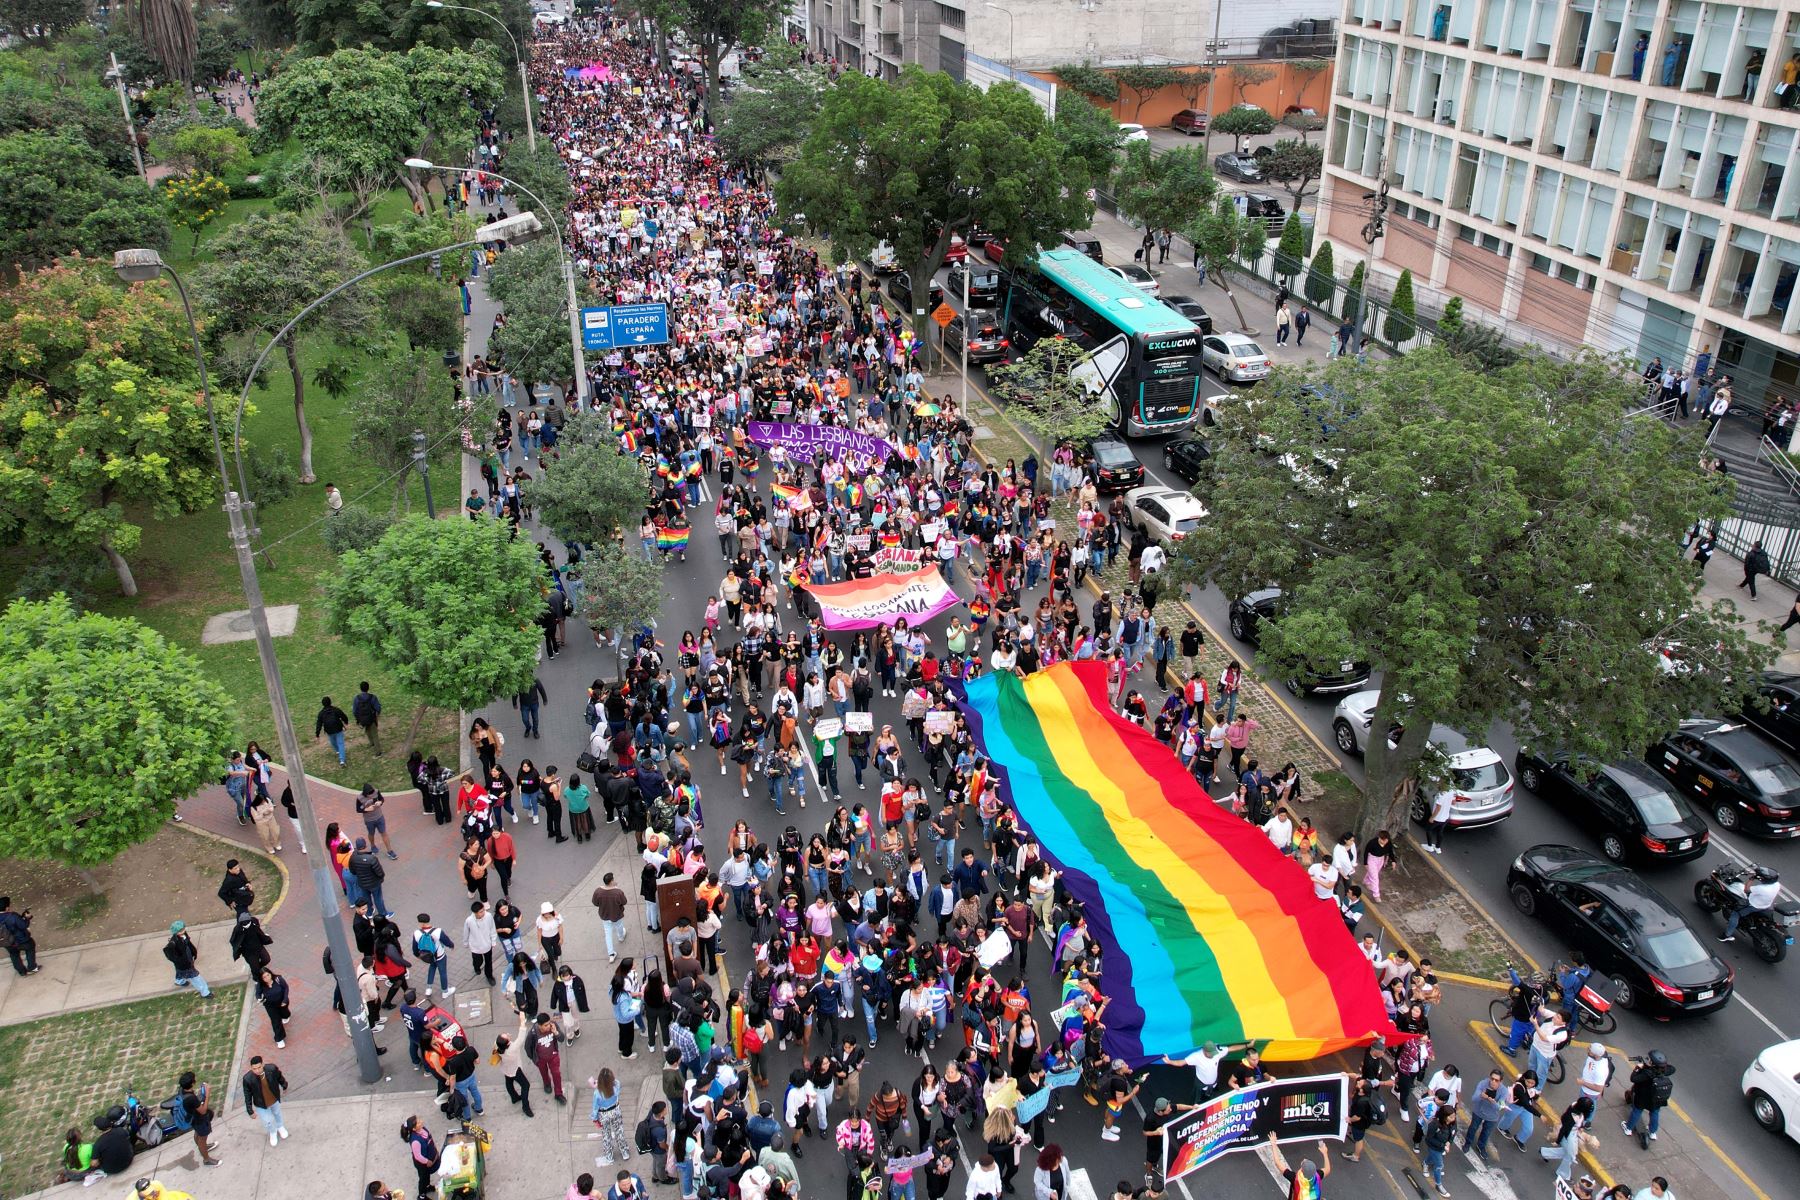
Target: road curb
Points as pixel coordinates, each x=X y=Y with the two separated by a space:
x=1486 y=1039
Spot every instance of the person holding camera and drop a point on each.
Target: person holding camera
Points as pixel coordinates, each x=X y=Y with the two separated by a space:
x=1652 y=1083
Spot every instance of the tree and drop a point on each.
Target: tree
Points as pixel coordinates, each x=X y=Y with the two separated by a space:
x=526 y=281
x=1401 y=322
x=1308 y=69
x=424 y=309
x=101 y=415
x=207 y=149
x=1450 y=324
x=1163 y=191
x=167 y=30
x=769 y=114
x=1227 y=240
x=1044 y=392
x=1143 y=80
x=717 y=27
x=1498 y=544
x=621 y=591
x=1089 y=134
x=42 y=20
x=403 y=392
x=354 y=527
x=449 y=607
x=1089 y=81
x=915 y=160
x=1303 y=123
x=592 y=491
x=74 y=203
x=1295 y=165
x=1241 y=123
x=1353 y=292
x=1321 y=277
x=195 y=200
x=543 y=174
x=266 y=268
x=1193 y=83
x=104 y=725
x=1245 y=76
x=1290 y=252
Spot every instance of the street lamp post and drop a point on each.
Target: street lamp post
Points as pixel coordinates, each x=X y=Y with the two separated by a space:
x=518 y=57
x=419 y=461
x=1009 y=30
x=582 y=393
x=141 y=266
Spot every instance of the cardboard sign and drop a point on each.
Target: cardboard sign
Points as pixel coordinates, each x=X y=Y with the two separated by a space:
x=940 y=720
x=828 y=728
x=857 y=541
x=859 y=722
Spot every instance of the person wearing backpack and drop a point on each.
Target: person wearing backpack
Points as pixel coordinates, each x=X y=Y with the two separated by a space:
x=184 y=955
x=365 y=709
x=1362 y=1117
x=1652 y=1084
x=16 y=939
x=432 y=946
x=652 y=1139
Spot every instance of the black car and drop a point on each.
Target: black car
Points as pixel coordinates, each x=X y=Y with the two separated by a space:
x=1087 y=243
x=1186 y=456
x=987 y=343
x=1246 y=615
x=1628 y=930
x=1781 y=723
x=1190 y=308
x=1730 y=772
x=1636 y=813
x=1116 y=468
x=900 y=288
x=983 y=283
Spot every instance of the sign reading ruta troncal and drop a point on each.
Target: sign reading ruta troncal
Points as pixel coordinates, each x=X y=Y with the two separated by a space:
x=1291 y=1109
x=806 y=441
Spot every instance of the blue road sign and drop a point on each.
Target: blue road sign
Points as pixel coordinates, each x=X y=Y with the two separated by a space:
x=596 y=329
x=640 y=324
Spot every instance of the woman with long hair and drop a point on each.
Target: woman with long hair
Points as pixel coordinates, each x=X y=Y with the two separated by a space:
x=609 y=1119
x=627 y=996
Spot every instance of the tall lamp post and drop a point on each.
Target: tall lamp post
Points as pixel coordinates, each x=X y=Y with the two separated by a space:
x=518 y=57
x=141 y=266
x=1009 y=30
x=582 y=393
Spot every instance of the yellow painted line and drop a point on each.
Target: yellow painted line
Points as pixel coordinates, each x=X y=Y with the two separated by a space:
x=1482 y=1035
x=1480 y=908
x=1718 y=1150
x=1474 y=981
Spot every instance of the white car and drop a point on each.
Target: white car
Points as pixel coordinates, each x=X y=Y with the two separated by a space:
x=1772 y=1082
x=1134 y=132
x=1234 y=357
x=1167 y=514
x=1138 y=278
x=1481 y=785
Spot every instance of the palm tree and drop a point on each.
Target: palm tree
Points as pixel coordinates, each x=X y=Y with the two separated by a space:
x=166 y=27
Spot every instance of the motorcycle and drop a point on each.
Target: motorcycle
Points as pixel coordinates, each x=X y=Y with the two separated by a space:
x=1770 y=930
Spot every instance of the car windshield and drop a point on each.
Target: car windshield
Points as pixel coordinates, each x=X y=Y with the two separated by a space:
x=1657 y=808
x=1775 y=778
x=1479 y=778
x=1675 y=948
x=1246 y=349
x=987 y=332
x=1186 y=524
x=985 y=278
x=1112 y=454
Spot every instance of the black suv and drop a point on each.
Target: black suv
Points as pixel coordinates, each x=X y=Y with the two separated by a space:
x=987 y=342
x=1246 y=615
x=1727 y=770
x=983 y=283
x=1190 y=308
x=1186 y=456
x=900 y=288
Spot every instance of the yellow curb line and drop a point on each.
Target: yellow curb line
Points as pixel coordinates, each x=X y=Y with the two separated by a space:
x=1481 y=908
x=1506 y=1064
x=1718 y=1150
x=281 y=867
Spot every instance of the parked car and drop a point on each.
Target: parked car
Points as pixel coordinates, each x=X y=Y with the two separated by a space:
x=1190 y=308
x=1234 y=357
x=1727 y=770
x=1781 y=724
x=958 y=250
x=1245 y=619
x=982 y=285
x=1261 y=206
x=987 y=340
x=1166 y=514
x=1629 y=932
x=900 y=288
x=1242 y=167
x=1116 y=468
x=1635 y=812
x=1087 y=243
x=1133 y=132
x=1772 y=1082
x=1186 y=456
x=1138 y=277
x=995 y=249
x=1482 y=787
x=1190 y=121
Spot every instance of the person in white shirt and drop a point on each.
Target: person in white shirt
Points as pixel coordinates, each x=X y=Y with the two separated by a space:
x=1205 y=1062
x=479 y=938
x=1596 y=1072
x=1343 y=856
x=1371 y=949
x=1448 y=1079
x=984 y=1180
x=1280 y=830
x=1324 y=878
x=1440 y=821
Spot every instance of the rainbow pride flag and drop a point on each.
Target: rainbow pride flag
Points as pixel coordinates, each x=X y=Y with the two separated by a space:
x=783 y=491
x=672 y=537
x=1209 y=934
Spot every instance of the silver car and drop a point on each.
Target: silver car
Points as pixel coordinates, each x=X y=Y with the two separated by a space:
x=1481 y=787
x=1234 y=357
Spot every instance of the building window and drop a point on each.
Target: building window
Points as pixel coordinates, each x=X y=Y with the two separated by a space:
x=950 y=18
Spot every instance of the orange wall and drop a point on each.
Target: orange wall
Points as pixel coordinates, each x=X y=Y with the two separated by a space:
x=1275 y=96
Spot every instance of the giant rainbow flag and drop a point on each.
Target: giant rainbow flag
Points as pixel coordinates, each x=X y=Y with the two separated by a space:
x=1209 y=933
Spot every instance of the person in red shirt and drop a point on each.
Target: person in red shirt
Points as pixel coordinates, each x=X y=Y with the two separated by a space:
x=893 y=803
x=504 y=854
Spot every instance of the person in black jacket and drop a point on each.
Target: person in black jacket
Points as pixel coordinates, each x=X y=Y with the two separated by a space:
x=20 y=945
x=332 y=722
x=1651 y=1086
x=263 y=1086
x=185 y=956
x=365 y=866
x=234 y=889
x=568 y=995
x=248 y=942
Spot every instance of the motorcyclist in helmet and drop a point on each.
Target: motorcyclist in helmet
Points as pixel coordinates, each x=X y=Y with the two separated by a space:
x=1753 y=891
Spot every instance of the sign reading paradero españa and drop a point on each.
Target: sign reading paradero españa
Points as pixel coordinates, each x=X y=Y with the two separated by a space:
x=806 y=441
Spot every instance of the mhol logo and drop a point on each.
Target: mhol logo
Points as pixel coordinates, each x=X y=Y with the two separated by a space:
x=1308 y=1105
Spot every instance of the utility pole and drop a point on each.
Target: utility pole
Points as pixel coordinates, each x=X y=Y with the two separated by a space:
x=1377 y=201
x=968 y=275
x=418 y=458
x=1212 y=74
x=137 y=155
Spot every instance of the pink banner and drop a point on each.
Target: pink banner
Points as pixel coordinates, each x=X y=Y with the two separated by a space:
x=884 y=600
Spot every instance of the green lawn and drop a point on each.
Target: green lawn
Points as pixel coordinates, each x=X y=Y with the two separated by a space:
x=61 y=1072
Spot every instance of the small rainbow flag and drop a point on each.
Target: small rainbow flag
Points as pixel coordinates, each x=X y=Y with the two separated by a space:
x=750 y=466
x=784 y=491
x=853 y=494
x=950 y=509
x=628 y=441
x=672 y=537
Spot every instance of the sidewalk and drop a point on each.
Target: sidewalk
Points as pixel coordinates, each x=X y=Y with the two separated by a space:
x=112 y=972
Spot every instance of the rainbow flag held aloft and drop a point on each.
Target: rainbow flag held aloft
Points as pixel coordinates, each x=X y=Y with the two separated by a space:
x=672 y=537
x=783 y=491
x=1209 y=933
x=853 y=494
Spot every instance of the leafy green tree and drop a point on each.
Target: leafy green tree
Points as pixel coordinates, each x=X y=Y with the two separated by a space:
x=1401 y=322
x=1450 y=324
x=1290 y=252
x=1308 y=69
x=168 y=122
x=267 y=24
x=58 y=92
x=1295 y=165
x=425 y=310
x=195 y=201
x=1321 y=277
x=592 y=492
x=534 y=342
x=43 y=21
x=1089 y=81
x=544 y=174
x=1143 y=80
x=1303 y=123
x=1193 y=84
x=621 y=591
x=219 y=34
x=401 y=393
x=915 y=160
x=1163 y=191
x=449 y=607
x=62 y=199
x=1227 y=240
x=769 y=114
x=208 y=150
x=1241 y=123
x=1245 y=76
x=266 y=268
x=1043 y=392
x=321 y=26
x=717 y=27
x=354 y=528
x=1089 y=134
x=1498 y=544
x=101 y=420
x=104 y=725
x=1353 y=292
